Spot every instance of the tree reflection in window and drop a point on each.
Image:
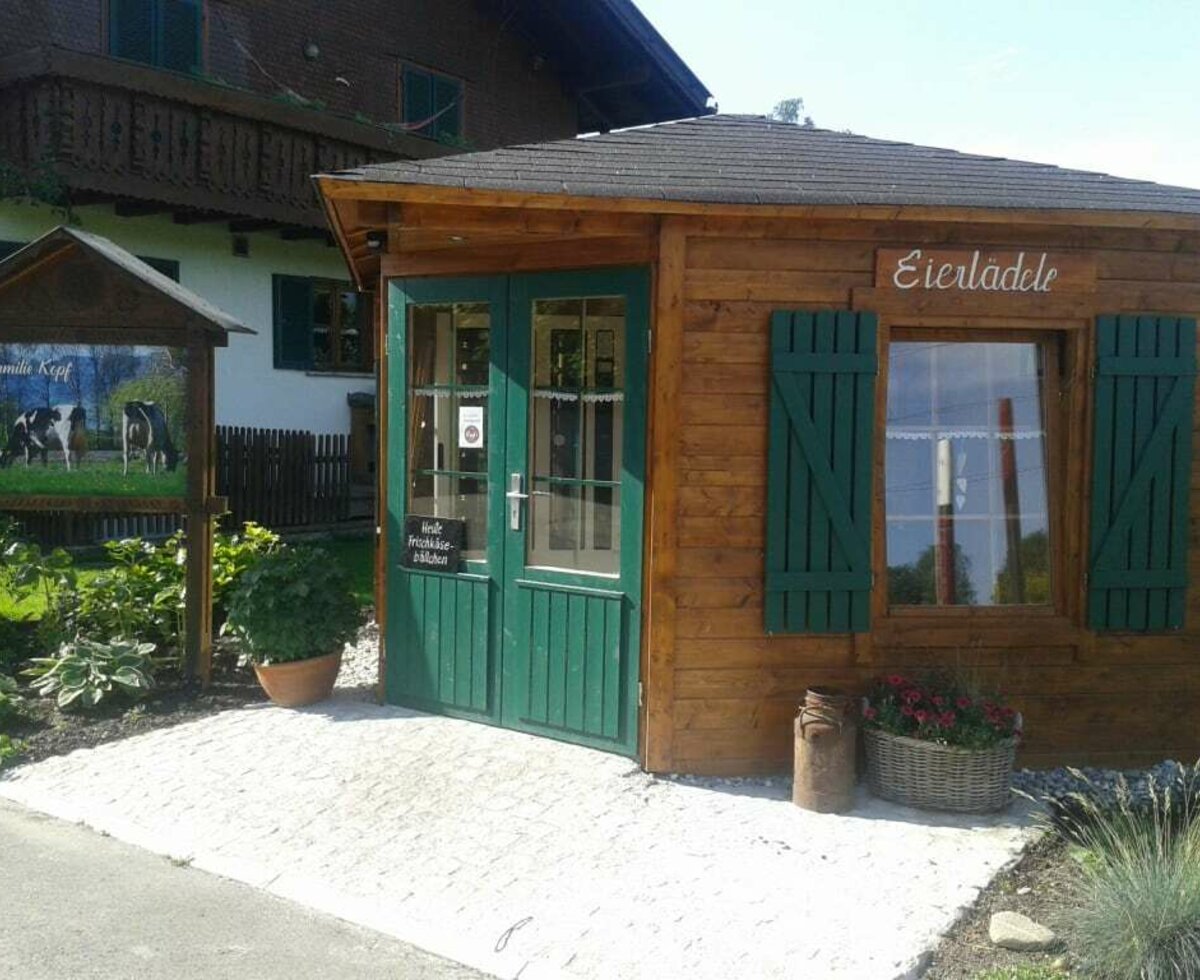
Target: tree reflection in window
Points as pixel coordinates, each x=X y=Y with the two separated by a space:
x=965 y=475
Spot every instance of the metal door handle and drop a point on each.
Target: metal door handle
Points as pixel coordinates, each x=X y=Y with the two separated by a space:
x=514 y=496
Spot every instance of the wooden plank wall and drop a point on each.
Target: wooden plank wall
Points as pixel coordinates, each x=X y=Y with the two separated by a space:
x=1104 y=699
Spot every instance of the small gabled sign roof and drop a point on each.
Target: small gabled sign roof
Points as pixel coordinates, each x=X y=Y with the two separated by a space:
x=75 y=296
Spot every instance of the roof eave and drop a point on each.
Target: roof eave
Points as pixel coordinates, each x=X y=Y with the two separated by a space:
x=334 y=186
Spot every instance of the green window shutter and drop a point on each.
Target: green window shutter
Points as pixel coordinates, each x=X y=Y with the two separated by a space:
x=1141 y=472
x=179 y=35
x=131 y=30
x=822 y=421
x=293 y=303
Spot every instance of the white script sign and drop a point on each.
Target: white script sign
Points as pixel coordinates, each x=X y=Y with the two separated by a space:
x=982 y=271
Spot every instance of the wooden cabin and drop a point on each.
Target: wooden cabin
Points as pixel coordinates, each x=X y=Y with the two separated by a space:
x=680 y=421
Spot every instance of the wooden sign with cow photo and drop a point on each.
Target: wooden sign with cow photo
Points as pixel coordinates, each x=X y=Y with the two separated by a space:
x=106 y=397
x=93 y=420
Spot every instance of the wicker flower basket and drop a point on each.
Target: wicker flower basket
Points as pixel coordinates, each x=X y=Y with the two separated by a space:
x=939 y=777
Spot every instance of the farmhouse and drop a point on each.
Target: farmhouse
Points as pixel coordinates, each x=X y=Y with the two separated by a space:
x=717 y=410
x=186 y=131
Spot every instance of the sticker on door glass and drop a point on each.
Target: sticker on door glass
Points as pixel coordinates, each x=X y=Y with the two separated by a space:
x=470 y=427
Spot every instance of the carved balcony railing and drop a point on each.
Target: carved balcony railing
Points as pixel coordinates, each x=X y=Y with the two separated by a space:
x=109 y=129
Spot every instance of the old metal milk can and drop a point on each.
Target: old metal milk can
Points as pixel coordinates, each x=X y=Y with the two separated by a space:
x=826 y=752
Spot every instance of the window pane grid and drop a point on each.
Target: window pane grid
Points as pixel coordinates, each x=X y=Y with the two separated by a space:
x=965 y=475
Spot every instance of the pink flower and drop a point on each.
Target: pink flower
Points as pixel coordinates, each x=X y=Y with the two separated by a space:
x=896 y=681
x=912 y=695
x=948 y=719
x=922 y=716
x=963 y=703
x=938 y=701
x=907 y=711
x=869 y=713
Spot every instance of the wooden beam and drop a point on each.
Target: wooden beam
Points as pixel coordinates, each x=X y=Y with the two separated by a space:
x=468 y=221
x=298 y=234
x=139 y=209
x=363 y=190
x=244 y=226
x=666 y=377
x=538 y=256
x=191 y=217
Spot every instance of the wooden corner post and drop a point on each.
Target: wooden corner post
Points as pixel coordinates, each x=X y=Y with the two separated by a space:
x=666 y=378
x=201 y=486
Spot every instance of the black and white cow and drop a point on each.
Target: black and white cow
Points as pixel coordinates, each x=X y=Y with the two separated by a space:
x=145 y=428
x=39 y=430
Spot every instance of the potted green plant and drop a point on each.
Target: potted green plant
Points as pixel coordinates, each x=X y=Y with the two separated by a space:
x=294 y=612
x=933 y=743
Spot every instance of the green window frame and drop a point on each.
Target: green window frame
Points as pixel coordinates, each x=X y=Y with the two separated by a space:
x=162 y=33
x=312 y=329
x=425 y=95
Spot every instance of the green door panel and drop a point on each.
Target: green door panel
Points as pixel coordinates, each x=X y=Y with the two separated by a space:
x=509 y=639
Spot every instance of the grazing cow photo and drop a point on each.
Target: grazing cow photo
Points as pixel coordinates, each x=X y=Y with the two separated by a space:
x=38 y=430
x=144 y=428
x=116 y=404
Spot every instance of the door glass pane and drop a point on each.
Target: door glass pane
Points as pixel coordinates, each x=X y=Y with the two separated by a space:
x=965 y=475
x=576 y=409
x=449 y=359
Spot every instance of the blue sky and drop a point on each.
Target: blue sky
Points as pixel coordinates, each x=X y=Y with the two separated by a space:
x=1100 y=85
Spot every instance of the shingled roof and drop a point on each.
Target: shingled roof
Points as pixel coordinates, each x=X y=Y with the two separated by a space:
x=728 y=159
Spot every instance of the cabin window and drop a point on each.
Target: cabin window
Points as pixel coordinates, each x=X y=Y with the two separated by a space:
x=450 y=360
x=432 y=103
x=321 y=325
x=162 y=33
x=966 y=474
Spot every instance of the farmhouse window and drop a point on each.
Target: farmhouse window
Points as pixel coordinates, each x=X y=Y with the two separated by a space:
x=432 y=100
x=163 y=33
x=965 y=474
x=321 y=325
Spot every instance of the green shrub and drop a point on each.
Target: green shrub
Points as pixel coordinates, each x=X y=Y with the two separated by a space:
x=89 y=671
x=11 y=702
x=292 y=605
x=10 y=748
x=1137 y=914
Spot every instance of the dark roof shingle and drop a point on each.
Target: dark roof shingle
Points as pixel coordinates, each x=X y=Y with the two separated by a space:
x=727 y=159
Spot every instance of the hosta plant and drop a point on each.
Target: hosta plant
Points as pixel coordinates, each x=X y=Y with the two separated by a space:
x=85 y=672
x=939 y=710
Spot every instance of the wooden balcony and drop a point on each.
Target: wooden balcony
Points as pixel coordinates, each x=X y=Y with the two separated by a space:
x=156 y=140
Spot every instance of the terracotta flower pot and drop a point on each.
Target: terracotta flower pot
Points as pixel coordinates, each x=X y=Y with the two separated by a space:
x=301 y=681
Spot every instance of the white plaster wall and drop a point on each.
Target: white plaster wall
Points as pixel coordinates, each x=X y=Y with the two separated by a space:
x=249 y=389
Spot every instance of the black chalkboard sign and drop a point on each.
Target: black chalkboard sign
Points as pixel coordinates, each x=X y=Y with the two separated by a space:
x=433 y=543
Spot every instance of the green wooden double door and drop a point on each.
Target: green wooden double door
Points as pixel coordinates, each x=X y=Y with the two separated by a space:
x=517 y=405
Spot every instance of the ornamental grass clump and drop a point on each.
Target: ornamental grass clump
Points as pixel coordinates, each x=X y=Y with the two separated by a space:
x=1135 y=913
x=939 y=710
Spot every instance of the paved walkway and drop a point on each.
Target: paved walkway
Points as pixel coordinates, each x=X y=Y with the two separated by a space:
x=87 y=907
x=526 y=857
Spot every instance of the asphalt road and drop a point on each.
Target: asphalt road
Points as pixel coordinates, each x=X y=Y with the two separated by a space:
x=75 y=905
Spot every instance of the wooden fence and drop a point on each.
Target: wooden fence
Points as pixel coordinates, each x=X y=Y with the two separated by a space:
x=274 y=477
x=283 y=478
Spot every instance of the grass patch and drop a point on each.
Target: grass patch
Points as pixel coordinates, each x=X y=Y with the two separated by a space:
x=357 y=557
x=1027 y=972
x=92 y=478
x=33 y=606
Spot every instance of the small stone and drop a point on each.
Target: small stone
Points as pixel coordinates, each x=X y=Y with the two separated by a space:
x=1024 y=890
x=1011 y=930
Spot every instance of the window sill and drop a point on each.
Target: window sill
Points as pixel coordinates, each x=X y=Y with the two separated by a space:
x=339 y=374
